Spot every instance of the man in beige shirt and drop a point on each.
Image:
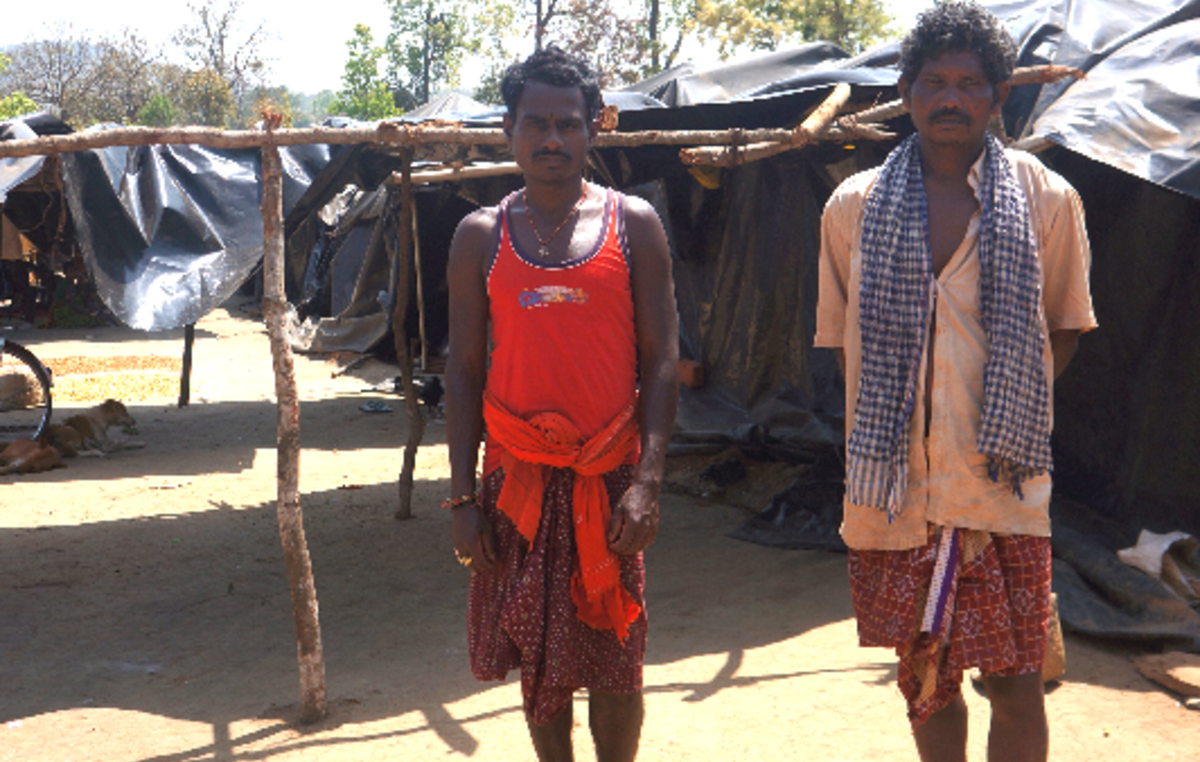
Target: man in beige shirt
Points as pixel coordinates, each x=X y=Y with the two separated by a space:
x=954 y=285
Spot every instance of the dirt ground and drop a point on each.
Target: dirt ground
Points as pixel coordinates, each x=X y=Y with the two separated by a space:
x=144 y=613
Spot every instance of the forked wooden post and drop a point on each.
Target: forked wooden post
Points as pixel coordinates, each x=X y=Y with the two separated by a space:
x=404 y=257
x=291 y=518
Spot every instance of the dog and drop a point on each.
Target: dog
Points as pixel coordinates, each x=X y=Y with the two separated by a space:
x=66 y=440
x=87 y=432
x=83 y=434
x=26 y=456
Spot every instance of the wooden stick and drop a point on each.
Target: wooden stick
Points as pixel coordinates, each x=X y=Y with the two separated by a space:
x=455 y=174
x=1028 y=75
x=416 y=250
x=416 y=424
x=387 y=134
x=291 y=518
x=185 y=374
x=415 y=134
x=806 y=133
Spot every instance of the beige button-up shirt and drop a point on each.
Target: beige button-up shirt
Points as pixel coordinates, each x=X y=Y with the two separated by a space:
x=948 y=482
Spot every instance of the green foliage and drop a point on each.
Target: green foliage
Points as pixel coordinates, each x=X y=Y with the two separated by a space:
x=158 y=112
x=364 y=94
x=626 y=40
x=428 y=41
x=320 y=105
x=206 y=99
x=854 y=25
x=16 y=105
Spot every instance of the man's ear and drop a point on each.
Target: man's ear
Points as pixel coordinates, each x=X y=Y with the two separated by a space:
x=507 y=125
x=903 y=86
x=1001 y=95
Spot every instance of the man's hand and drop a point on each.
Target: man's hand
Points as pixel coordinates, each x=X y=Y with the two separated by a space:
x=473 y=539
x=634 y=523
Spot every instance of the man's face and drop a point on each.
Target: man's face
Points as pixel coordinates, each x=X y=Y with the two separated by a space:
x=550 y=133
x=951 y=100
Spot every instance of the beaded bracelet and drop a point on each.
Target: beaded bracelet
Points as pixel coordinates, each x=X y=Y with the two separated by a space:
x=451 y=503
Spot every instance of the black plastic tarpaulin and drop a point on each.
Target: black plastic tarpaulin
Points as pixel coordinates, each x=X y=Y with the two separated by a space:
x=169 y=232
x=1138 y=107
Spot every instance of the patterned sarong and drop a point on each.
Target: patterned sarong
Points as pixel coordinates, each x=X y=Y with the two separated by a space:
x=994 y=616
x=523 y=616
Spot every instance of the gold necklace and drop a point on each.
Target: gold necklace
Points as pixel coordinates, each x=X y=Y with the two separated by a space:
x=543 y=247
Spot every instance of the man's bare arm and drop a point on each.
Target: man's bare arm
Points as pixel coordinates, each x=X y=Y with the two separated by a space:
x=466 y=373
x=635 y=519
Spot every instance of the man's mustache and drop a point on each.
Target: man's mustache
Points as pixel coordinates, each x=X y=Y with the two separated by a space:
x=551 y=154
x=949 y=113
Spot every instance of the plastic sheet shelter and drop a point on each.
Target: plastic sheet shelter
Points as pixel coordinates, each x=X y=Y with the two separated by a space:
x=745 y=240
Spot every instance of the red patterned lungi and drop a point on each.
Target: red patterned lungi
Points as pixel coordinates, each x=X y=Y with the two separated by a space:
x=523 y=616
x=996 y=619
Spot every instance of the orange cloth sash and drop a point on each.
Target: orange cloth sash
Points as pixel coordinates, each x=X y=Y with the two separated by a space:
x=548 y=440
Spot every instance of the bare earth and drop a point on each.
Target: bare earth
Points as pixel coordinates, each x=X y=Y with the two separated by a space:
x=144 y=613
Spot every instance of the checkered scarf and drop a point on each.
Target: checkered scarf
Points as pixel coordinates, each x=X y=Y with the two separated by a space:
x=897 y=292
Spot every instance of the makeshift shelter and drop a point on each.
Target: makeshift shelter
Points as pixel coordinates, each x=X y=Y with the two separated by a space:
x=35 y=239
x=745 y=241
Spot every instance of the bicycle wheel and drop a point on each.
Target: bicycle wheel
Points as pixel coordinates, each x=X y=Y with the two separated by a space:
x=25 y=402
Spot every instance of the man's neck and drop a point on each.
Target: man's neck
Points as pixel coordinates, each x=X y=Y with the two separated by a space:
x=948 y=163
x=551 y=196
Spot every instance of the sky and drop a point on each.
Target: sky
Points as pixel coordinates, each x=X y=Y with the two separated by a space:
x=306 y=51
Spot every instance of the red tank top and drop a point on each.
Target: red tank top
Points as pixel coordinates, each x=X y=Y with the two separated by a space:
x=563 y=337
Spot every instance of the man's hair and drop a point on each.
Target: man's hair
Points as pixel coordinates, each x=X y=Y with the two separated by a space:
x=959 y=27
x=552 y=66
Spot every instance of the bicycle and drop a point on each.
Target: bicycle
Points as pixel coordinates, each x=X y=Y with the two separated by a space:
x=25 y=399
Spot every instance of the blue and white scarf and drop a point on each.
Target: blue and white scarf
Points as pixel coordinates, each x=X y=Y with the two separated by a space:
x=897 y=291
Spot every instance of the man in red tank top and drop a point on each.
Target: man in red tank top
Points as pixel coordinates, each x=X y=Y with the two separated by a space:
x=578 y=398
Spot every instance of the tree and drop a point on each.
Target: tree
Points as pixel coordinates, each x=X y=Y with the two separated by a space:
x=277 y=100
x=613 y=43
x=56 y=73
x=214 y=41
x=668 y=24
x=16 y=103
x=158 y=112
x=206 y=99
x=364 y=94
x=126 y=70
x=626 y=40
x=427 y=43
x=854 y=25
x=320 y=105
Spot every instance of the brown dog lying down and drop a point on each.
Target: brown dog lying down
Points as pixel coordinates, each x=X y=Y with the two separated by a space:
x=87 y=433
x=25 y=456
x=82 y=434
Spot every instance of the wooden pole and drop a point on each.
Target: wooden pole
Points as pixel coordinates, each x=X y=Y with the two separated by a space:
x=415 y=134
x=416 y=424
x=185 y=375
x=416 y=250
x=808 y=131
x=291 y=518
x=456 y=173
